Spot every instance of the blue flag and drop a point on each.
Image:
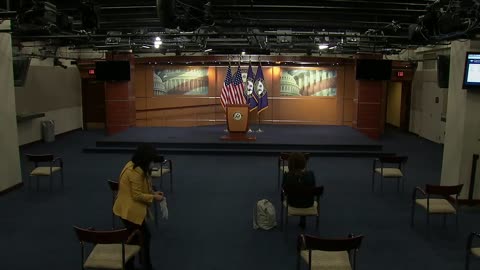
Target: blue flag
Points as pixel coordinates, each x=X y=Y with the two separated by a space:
x=250 y=94
x=261 y=90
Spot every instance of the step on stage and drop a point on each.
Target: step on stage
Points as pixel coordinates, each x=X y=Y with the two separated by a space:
x=317 y=140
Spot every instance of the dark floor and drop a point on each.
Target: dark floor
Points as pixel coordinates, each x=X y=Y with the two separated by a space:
x=210 y=225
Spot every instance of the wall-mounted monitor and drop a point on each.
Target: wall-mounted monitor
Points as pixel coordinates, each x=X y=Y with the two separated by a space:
x=373 y=69
x=112 y=70
x=471 y=78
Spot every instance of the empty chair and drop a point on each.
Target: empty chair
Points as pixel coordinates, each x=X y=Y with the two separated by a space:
x=51 y=165
x=111 y=249
x=436 y=201
x=328 y=253
x=114 y=188
x=283 y=165
x=389 y=168
x=165 y=167
x=475 y=251
x=312 y=211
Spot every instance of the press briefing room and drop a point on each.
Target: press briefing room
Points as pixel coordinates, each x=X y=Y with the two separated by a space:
x=202 y=135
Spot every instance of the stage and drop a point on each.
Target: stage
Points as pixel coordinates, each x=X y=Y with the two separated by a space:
x=318 y=140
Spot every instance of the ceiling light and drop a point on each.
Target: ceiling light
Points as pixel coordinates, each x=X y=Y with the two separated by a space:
x=208 y=50
x=145 y=47
x=323 y=46
x=157 y=42
x=243 y=53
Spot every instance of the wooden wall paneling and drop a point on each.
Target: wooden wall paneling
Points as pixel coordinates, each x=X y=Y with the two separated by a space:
x=306 y=109
x=139 y=83
x=212 y=81
x=369 y=107
x=348 y=109
x=120 y=98
x=141 y=103
x=340 y=94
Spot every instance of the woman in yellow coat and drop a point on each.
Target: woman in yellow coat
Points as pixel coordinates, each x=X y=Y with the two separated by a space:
x=135 y=195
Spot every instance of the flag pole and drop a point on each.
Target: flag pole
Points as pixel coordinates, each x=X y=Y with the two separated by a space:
x=226 y=124
x=260 y=113
x=250 y=121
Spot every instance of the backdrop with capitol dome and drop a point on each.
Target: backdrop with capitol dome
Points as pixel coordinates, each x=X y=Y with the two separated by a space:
x=168 y=95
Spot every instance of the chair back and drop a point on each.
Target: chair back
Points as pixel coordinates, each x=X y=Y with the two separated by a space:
x=302 y=191
x=113 y=185
x=101 y=237
x=284 y=156
x=40 y=158
x=443 y=190
x=329 y=244
x=395 y=159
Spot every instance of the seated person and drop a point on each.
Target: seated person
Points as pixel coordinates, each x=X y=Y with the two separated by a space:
x=299 y=183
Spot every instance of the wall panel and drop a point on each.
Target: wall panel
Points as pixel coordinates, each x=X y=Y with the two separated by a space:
x=181 y=110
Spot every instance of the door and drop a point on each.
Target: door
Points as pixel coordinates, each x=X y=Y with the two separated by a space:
x=93 y=104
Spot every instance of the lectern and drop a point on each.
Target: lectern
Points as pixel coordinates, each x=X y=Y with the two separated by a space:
x=237 y=123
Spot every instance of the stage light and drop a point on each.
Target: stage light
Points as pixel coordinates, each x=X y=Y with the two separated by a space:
x=157 y=42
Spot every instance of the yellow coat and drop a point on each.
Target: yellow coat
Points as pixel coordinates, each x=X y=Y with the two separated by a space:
x=134 y=194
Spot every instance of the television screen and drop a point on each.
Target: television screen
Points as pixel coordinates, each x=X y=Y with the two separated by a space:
x=373 y=69
x=112 y=70
x=471 y=77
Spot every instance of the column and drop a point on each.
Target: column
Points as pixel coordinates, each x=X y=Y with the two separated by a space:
x=10 y=165
x=462 y=129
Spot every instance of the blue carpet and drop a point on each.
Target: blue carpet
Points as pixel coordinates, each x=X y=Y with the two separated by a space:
x=210 y=225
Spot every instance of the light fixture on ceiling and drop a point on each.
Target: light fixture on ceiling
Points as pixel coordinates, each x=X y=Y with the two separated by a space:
x=243 y=52
x=208 y=50
x=157 y=42
x=145 y=47
x=322 y=46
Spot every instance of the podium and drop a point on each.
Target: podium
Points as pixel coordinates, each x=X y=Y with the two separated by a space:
x=237 y=123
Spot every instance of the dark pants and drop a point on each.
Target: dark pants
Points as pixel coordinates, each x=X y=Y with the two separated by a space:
x=131 y=227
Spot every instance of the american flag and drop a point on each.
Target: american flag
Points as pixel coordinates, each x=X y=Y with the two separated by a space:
x=238 y=88
x=225 y=95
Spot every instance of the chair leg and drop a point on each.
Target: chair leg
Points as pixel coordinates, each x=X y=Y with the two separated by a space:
x=317 y=222
x=373 y=181
x=412 y=215
x=398 y=184
x=456 y=221
x=51 y=182
x=298 y=260
x=61 y=174
x=428 y=224
x=381 y=183
x=467 y=260
x=113 y=221
x=38 y=183
x=278 y=177
x=281 y=216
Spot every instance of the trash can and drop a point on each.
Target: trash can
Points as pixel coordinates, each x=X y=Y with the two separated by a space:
x=48 y=131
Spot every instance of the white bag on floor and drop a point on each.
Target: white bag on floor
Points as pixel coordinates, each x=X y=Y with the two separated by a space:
x=264 y=215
